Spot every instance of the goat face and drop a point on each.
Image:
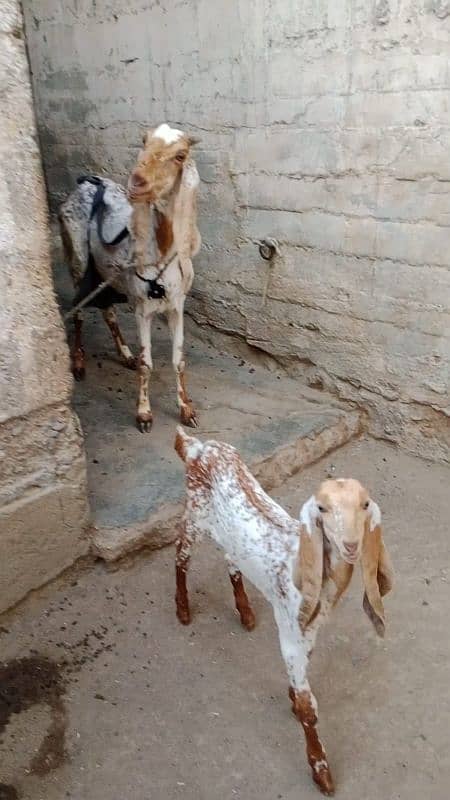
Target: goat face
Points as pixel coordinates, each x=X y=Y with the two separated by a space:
x=159 y=164
x=345 y=512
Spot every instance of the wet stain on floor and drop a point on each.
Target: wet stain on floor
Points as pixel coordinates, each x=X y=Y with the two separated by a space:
x=25 y=682
x=8 y=792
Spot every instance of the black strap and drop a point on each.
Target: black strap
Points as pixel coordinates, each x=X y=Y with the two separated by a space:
x=91 y=278
x=155 y=290
x=98 y=210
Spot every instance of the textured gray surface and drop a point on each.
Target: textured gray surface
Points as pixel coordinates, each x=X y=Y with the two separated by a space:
x=156 y=711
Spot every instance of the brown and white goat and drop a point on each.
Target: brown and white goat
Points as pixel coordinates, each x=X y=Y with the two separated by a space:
x=143 y=243
x=302 y=569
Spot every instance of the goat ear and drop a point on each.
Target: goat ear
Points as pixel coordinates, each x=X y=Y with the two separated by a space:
x=185 y=231
x=308 y=568
x=376 y=568
x=146 y=136
x=193 y=140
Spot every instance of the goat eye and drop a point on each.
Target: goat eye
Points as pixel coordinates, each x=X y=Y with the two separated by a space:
x=321 y=509
x=366 y=505
x=180 y=157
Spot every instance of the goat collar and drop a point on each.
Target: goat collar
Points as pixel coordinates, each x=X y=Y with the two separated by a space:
x=155 y=290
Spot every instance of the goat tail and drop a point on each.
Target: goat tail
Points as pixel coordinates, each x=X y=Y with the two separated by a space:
x=187 y=447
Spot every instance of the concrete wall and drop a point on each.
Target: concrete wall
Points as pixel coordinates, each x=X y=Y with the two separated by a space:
x=325 y=123
x=43 y=508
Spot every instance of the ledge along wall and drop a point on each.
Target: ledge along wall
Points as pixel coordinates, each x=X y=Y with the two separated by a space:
x=323 y=124
x=43 y=505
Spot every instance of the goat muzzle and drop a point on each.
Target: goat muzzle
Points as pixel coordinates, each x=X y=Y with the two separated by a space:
x=138 y=187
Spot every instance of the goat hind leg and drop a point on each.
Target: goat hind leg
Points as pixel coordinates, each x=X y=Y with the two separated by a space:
x=304 y=704
x=110 y=317
x=77 y=351
x=243 y=606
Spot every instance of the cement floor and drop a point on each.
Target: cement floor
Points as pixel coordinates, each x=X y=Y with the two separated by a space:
x=155 y=711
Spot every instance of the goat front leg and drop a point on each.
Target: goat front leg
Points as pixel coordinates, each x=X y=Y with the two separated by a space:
x=243 y=606
x=184 y=544
x=110 y=317
x=187 y=412
x=77 y=352
x=144 y=417
x=295 y=651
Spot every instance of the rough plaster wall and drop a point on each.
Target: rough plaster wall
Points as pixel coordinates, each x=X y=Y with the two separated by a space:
x=326 y=124
x=43 y=509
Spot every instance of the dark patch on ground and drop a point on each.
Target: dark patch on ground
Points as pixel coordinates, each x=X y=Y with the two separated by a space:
x=25 y=682
x=8 y=792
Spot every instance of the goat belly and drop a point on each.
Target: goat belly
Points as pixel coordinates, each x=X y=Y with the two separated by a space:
x=244 y=537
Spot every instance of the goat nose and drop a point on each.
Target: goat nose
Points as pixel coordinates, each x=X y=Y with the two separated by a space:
x=351 y=547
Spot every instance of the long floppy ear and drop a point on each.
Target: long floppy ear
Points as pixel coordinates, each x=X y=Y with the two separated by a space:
x=378 y=574
x=185 y=231
x=308 y=567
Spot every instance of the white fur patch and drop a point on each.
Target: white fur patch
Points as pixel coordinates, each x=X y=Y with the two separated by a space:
x=374 y=515
x=167 y=134
x=308 y=514
x=191 y=178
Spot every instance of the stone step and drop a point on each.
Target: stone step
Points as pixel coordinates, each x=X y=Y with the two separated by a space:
x=136 y=481
x=274 y=453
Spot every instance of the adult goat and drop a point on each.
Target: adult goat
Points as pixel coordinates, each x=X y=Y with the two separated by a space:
x=143 y=243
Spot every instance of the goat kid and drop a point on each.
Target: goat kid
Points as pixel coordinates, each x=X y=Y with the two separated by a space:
x=302 y=569
x=143 y=241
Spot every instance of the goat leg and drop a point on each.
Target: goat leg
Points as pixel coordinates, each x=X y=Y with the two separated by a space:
x=110 y=317
x=304 y=706
x=77 y=353
x=183 y=557
x=243 y=606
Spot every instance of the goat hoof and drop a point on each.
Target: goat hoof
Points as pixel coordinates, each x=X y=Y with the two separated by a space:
x=79 y=373
x=322 y=777
x=144 y=422
x=248 y=621
x=188 y=417
x=183 y=615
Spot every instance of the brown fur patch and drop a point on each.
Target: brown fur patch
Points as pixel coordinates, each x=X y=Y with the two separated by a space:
x=242 y=604
x=182 y=393
x=163 y=232
x=181 y=597
x=245 y=480
x=179 y=445
x=304 y=711
x=377 y=577
x=308 y=574
x=341 y=577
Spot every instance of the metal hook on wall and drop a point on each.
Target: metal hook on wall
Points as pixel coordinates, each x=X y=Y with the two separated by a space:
x=268 y=248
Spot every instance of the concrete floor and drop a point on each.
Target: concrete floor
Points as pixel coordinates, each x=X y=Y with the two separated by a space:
x=135 y=480
x=155 y=711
